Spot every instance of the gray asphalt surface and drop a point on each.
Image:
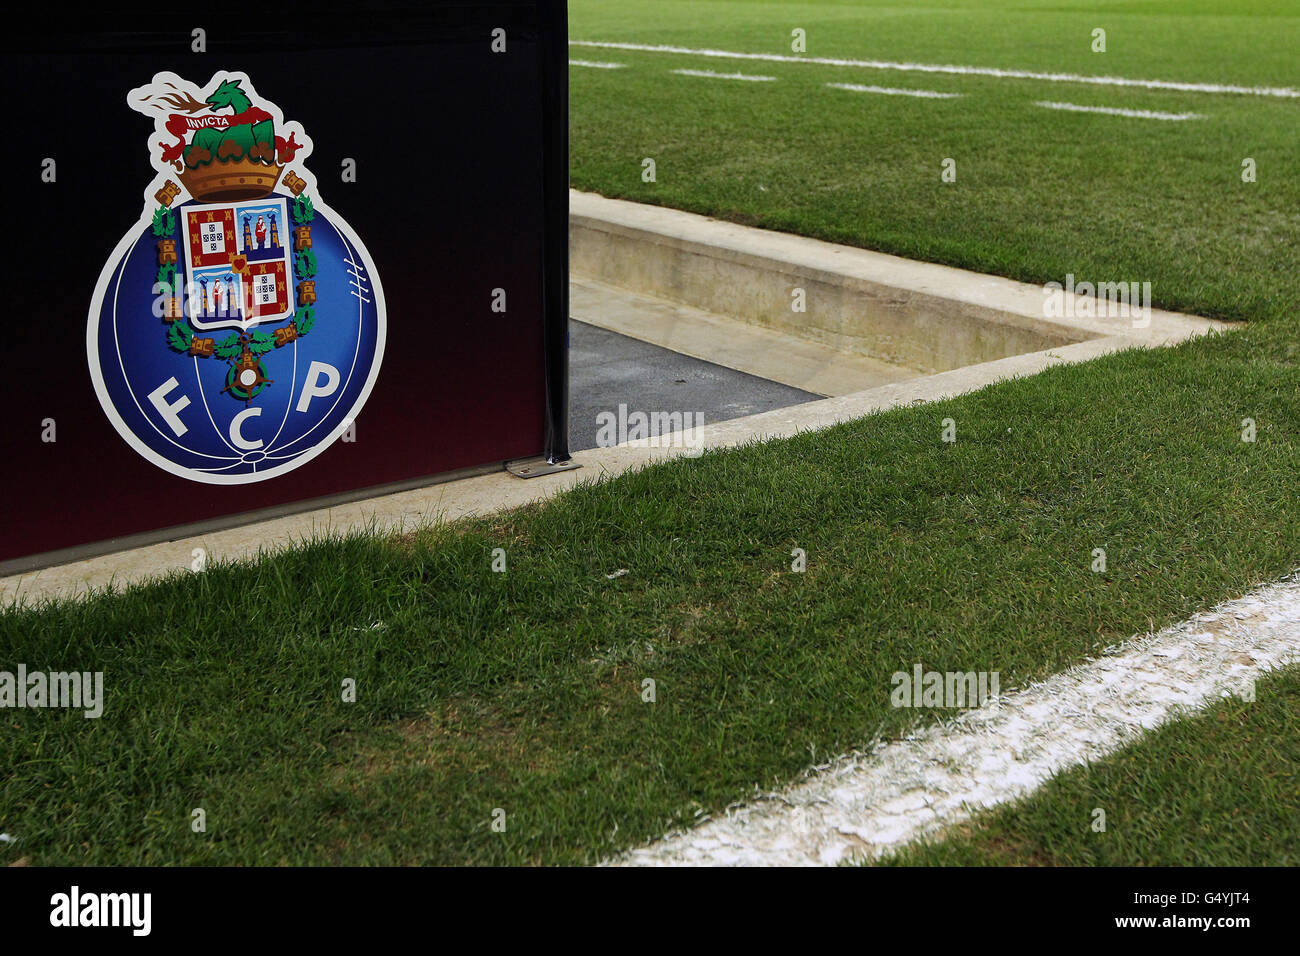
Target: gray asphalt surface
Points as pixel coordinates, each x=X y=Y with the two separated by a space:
x=606 y=369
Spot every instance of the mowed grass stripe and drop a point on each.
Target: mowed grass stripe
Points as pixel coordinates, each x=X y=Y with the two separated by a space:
x=952 y=69
x=894 y=91
x=710 y=75
x=1120 y=111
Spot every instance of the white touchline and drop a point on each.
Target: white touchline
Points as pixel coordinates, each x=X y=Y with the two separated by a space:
x=726 y=76
x=894 y=91
x=597 y=66
x=867 y=804
x=1280 y=91
x=1118 y=111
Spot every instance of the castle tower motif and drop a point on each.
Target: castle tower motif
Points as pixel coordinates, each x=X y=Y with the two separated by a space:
x=248 y=235
x=275 y=233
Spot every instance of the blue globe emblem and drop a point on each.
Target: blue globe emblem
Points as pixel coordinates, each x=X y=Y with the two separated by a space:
x=216 y=395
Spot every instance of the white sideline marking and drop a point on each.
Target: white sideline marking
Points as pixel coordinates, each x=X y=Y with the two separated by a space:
x=1117 y=111
x=894 y=91
x=1280 y=91
x=866 y=804
x=726 y=76
x=597 y=66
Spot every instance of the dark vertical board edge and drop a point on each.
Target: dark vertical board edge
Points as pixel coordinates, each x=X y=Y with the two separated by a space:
x=555 y=173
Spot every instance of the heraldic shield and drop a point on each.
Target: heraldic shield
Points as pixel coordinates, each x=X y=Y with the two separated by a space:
x=237 y=266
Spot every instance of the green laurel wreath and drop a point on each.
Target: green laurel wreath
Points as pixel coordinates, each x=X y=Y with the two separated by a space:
x=164 y=222
x=229 y=348
x=179 y=335
x=303 y=211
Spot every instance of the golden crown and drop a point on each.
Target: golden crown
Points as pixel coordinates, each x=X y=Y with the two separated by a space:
x=231 y=180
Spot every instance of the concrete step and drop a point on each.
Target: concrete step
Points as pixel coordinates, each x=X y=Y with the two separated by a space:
x=767 y=353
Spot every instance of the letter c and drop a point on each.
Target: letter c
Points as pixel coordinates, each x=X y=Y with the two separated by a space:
x=237 y=437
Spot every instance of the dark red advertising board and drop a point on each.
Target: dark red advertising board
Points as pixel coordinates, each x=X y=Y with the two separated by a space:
x=267 y=262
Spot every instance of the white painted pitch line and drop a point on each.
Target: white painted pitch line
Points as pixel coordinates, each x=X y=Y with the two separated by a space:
x=867 y=804
x=1184 y=87
x=895 y=91
x=709 y=74
x=596 y=65
x=1118 y=111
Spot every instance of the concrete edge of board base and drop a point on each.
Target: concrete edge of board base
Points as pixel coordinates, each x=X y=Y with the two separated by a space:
x=483 y=494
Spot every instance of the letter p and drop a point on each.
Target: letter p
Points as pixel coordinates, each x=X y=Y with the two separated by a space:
x=313 y=386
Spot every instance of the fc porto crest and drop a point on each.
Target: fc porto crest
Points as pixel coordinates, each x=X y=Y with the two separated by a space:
x=238 y=327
